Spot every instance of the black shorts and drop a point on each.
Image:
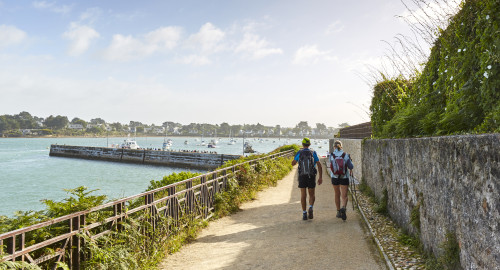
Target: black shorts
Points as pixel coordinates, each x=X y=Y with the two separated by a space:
x=340 y=181
x=307 y=182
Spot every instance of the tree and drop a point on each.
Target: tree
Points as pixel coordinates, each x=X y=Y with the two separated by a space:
x=57 y=122
x=344 y=125
x=320 y=127
x=139 y=129
x=224 y=129
x=77 y=120
x=25 y=120
x=303 y=127
x=97 y=121
x=117 y=126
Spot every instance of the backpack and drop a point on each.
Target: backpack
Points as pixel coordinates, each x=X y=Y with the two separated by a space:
x=338 y=165
x=306 y=163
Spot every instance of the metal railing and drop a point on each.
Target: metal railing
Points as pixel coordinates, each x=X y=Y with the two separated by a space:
x=194 y=196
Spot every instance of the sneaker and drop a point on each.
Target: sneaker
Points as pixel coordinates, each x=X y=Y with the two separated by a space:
x=343 y=214
x=310 y=213
x=304 y=216
x=339 y=215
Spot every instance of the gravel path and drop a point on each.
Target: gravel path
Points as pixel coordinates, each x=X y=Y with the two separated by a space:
x=269 y=233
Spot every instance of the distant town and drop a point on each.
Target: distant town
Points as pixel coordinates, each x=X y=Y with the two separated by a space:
x=26 y=125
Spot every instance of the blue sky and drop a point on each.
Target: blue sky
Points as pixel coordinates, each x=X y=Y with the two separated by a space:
x=268 y=62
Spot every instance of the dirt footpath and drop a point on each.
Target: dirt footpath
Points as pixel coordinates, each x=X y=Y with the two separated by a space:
x=269 y=233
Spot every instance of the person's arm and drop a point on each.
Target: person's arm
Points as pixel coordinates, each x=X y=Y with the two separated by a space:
x=296 y=159
x=320 y=170
x=350 y=166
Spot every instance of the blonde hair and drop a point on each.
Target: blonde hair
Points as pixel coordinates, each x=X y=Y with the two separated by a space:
x=337 y=144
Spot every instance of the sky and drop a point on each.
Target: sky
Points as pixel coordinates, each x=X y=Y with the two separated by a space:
x=273 y=62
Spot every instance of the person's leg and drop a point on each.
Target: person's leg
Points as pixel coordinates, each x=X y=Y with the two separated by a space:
x=336 y=190
x=345 y=198
x=303 y=196
x=312 y=196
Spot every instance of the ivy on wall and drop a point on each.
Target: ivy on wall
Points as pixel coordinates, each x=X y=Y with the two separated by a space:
x=459 y=89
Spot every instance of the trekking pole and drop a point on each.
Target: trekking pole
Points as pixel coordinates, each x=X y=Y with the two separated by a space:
x=352 y=182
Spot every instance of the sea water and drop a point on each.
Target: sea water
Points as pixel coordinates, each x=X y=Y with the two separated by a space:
x=29 y=175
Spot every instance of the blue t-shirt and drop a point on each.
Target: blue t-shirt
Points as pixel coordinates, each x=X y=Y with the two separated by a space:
x=315 y=156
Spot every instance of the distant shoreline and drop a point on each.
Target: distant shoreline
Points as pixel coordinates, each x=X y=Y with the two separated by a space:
x=145 y=136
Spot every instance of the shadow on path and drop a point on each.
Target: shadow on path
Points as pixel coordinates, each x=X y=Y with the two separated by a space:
x=269 y=233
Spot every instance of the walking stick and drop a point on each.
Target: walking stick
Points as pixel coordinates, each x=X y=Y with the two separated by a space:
x=352 y=182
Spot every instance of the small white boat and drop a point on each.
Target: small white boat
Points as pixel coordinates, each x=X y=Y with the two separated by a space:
x=129 y=144
x=186 y=142
x=167 y=144
x=212 y=144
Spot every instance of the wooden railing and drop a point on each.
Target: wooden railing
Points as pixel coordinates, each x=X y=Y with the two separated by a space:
x=194 y=196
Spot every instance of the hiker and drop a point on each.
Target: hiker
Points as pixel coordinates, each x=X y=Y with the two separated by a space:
x=339 y=163
x=307 y=160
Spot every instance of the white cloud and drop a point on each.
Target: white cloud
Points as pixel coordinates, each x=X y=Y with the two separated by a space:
x=90 y=15
x=10 y=35
x=335 y=27
x=125 y=48
x=164 y=38
x=196 y=60
x=80 y=36
x=51 y=6
x=256 y=47
x=209 y=39
x=310 y=54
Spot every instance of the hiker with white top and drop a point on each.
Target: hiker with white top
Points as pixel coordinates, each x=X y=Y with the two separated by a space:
x=339 y=163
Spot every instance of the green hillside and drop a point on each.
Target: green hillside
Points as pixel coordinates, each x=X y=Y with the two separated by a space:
x=457 y=92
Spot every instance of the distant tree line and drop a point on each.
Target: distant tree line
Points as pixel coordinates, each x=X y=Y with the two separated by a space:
x=24 y=124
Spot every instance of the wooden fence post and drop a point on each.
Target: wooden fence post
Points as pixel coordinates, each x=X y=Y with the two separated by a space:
x=204 y=196
x=75 y=245
x=11 y=246
x=189 y=197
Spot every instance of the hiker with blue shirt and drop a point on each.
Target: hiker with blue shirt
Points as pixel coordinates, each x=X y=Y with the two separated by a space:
x=339 y=163
x=308 y=160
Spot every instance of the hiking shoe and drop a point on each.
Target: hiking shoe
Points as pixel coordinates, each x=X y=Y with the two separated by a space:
x=304 y=216
x=311 y=213
x=342 y=213
x=339 y=215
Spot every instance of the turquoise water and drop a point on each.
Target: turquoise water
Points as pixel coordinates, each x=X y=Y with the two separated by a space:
x=28 y=175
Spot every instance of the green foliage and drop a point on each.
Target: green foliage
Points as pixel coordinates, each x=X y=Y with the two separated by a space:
x=170 y=179
x=244 y=185
x=415 y=216
x=285 y=148
x=450 y=257
x=382 y=205
x=458 y=90
x=79 y=200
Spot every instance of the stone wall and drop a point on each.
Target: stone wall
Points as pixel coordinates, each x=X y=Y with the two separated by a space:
x=353 y=147
x=168 y=158
x=450 y=184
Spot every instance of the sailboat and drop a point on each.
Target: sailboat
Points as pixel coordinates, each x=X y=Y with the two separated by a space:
x=231 y=140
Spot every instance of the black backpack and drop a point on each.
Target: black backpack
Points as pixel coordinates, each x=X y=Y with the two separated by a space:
x=306 y=163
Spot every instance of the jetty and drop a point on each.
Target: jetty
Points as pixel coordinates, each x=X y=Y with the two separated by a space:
x=196 y=160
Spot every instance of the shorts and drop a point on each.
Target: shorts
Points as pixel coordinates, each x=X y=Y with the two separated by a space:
x=340 y=181
x=307 y=182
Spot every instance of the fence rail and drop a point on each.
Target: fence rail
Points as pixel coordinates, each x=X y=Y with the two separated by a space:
x=191 y=196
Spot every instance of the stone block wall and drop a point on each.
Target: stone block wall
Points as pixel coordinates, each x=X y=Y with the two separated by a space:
x=450 y=184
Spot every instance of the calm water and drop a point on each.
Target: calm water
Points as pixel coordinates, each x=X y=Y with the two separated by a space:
x=28 y=174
